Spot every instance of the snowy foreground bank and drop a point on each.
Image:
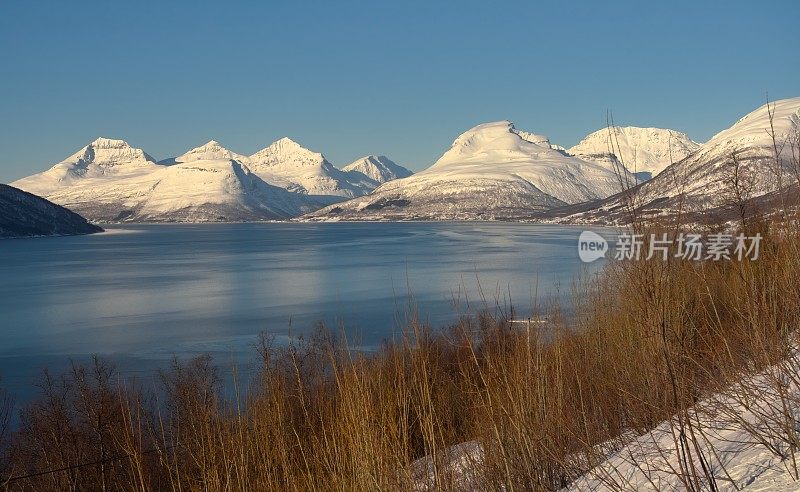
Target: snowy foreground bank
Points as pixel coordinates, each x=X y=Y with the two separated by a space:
x=745 y=438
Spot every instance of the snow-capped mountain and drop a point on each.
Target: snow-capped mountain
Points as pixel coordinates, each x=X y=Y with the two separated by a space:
x=287 y=164
x=702 y=181
x=210 y=151
x=378 y=168
x=24 y=214
x=490 y=171
x=100 y=161
x=644 y=151
x=197 y=191
x=109 y=180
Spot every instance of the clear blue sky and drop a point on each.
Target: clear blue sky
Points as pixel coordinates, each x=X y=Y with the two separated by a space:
x=354 y=78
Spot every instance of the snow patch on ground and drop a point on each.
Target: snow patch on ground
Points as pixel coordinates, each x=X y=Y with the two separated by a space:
x=744 y=434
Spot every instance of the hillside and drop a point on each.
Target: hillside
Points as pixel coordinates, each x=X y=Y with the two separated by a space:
x=23 y=214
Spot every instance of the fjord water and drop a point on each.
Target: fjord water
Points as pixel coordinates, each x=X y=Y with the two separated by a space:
x=139 y=294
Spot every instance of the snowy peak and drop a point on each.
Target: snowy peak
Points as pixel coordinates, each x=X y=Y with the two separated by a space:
x=486 y=137
x=212 y=146
x=212 y=150
x=286 y=148
x=109 y=153
x=378 y=168
x=754 y=128
x=109 y=143
x=496 y=143
x=485 y=131
x=641 y=150
x=296 y=168
x=102 y=159
x=287 y=144
x=286 y=153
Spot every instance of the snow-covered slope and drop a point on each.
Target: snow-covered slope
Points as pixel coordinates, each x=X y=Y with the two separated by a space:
x=210 y=151
x=490 y=171
x=101 y=161
x=378 y=168
x=742 y=434
x=645 y=151
x=287 y=164
x=23 y=214
x=197 y=191
x=702 y=181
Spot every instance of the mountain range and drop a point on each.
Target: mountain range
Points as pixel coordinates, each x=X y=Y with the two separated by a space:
x=743 y=162
x=490 y=171
x=493 y=171
x=109 y=180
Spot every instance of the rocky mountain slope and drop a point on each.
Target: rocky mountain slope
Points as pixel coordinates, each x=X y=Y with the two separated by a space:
x=23 y=214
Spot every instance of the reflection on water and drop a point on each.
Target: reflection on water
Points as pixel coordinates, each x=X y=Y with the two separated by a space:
x=145 y=292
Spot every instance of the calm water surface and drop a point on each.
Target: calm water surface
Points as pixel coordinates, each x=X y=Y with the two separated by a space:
x=141 y=293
